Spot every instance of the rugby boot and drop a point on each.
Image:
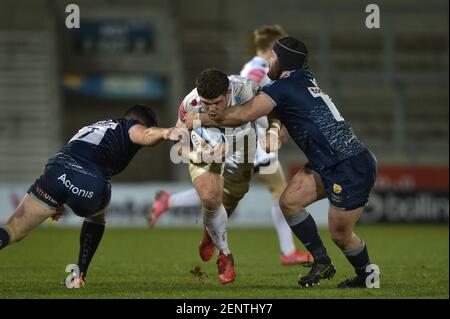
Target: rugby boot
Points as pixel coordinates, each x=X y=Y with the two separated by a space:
x=297 y=258
x=207 y=247
x=225 y=266
x=159 y=207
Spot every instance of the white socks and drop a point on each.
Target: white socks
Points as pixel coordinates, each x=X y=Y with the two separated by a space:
x=216 y=221
x=187 y=198
x=216 y=225
x=283 y=230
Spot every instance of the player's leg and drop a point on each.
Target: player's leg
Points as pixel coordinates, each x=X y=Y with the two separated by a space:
x=352 y=182
x=93 y=210
x=208 y=183
x=236 y=183
x=276 y=184
x=341 y=225
x=28 y=215
x=43 y=199
x=90 y=236
x=164 y=201
x=187 y=198
x=305 y=188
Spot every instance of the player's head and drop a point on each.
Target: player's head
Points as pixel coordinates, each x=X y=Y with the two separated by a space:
x=288 y=54
x=142 y=113
x=266 y=36
x=213 y=89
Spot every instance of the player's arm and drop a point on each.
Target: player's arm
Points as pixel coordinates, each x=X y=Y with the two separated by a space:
x=256 y=107
x=205 y=120
x=284 y=135
x=272 y=140
x=151 y=136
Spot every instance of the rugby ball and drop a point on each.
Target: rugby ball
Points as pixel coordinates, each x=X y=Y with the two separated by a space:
x=211 y=135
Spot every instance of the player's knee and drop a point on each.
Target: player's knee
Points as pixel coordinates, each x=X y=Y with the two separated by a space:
x=15 y=235
x=96 y=219
x=289 y=206
x=293 y=203
x=211 y=200
x=340 y=236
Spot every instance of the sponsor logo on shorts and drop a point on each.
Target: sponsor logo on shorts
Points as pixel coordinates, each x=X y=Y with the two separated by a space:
x=336 y=198
x=74 y=189
x=337 y=188
x=43 y=195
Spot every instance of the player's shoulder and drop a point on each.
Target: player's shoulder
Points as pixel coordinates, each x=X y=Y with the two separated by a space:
x=238 y=83
x=125 y=125
x=298 y=78
x=237 y=79
x=190 y=96
x=191 y=101
x=301 y=75
x=242 y=89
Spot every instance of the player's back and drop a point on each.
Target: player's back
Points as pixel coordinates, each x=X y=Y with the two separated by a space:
x=104 y=146
x=312 y=119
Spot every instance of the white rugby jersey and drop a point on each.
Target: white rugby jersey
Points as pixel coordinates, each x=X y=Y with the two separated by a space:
x=257 y=69
x=242 y=90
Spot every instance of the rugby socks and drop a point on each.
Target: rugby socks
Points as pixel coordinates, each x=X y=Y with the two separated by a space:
x=304 y=227
x=216 y=225
x=4 y=237
x=283 y=230
x=187 y=198
x=359 y=258
x=90 y=236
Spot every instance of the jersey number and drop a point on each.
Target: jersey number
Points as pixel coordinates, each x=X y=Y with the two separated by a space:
x=317 y=92
x=93 y=134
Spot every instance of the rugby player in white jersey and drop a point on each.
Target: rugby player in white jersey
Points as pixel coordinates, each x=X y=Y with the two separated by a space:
x=221 y=184
x=272 y=177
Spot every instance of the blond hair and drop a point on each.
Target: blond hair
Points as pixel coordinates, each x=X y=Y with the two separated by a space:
x=265 y=35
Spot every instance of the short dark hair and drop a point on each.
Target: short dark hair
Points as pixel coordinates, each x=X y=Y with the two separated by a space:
x=142 y=113
x=212 y=83
x=266 y=35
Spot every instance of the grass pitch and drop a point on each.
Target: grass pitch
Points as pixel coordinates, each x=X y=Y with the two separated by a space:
x=141 y=263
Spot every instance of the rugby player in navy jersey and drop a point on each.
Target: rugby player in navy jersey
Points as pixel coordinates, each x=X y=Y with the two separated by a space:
x=79 y=176
x=340 y=166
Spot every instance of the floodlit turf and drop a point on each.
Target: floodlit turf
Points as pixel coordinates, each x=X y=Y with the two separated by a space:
x=140 y=263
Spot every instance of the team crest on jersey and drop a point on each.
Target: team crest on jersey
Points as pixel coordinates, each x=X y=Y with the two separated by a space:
x=337 y=188
x=194 y=102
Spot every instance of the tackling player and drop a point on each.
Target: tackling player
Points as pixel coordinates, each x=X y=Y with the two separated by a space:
x=340 y=166
x=256 y=69
x=79 y=176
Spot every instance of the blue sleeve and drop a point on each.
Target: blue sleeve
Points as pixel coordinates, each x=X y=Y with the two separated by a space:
x=129 y=124
x=126 y=126
x=276 y=91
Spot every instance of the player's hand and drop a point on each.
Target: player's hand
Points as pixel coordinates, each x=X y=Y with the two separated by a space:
x=57 y=215
x=271 y=142
x=174 y=133
x=189 y=119
x=217 y=115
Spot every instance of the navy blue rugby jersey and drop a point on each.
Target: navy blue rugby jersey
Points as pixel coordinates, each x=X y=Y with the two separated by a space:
x=104 y=146
x=312 y=119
